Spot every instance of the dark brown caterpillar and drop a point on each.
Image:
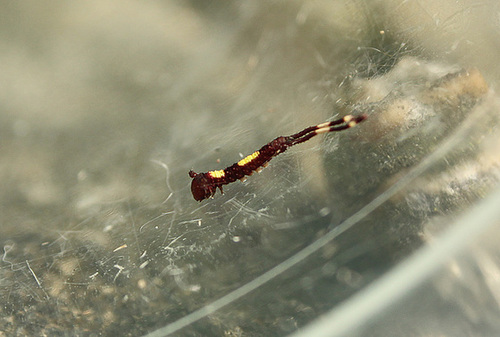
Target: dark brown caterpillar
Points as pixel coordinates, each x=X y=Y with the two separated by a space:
x=204 y=185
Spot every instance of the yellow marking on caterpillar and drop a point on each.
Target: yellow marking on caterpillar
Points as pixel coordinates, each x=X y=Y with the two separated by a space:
x=348 y=118
x=248 y=159
x=322 y=125
x=217 y=174
x=322 y=130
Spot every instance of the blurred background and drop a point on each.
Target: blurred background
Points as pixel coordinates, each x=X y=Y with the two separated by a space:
x=105 y=106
